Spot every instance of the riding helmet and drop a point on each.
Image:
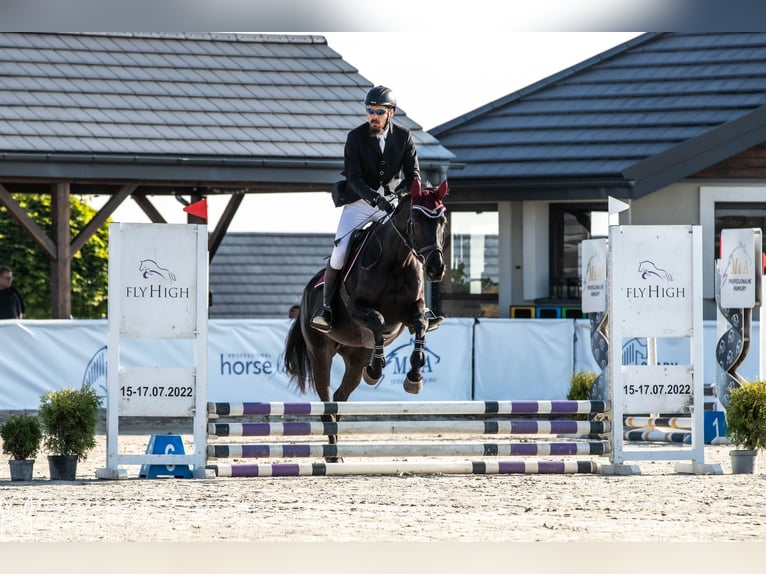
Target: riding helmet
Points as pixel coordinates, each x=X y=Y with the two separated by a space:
x=380 y=96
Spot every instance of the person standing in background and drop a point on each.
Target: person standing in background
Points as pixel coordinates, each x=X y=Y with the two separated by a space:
x=11 y=302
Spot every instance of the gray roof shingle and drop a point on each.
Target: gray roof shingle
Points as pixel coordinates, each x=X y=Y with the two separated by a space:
x=263 y=274
x=605 y=117
x=182 y=95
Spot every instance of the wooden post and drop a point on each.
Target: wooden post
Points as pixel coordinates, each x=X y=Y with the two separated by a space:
x=61 y=264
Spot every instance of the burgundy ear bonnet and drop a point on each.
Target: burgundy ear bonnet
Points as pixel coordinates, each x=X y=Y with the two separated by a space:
x=428 y=201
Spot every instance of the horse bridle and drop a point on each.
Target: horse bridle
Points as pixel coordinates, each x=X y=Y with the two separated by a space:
x=423 y=253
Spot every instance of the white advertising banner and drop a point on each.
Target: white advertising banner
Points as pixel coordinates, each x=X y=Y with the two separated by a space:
x=652 y=279
x=740 y=266
x=247 y=364
x=154 y=270
x=245 y=361
x=593 y=272
x=515 y=359
x=523 y=359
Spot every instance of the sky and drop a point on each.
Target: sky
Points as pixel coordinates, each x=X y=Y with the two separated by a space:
x=436 y=78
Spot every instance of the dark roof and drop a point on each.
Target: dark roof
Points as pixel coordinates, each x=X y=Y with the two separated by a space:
x=263 y=274
x=626 y=122
x=233 y=104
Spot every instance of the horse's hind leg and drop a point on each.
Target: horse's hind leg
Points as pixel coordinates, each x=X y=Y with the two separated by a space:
x=320 y=357
x=374 y=371
x=354 y=360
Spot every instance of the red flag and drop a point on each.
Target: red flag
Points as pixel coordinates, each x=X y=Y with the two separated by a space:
x=198 y=208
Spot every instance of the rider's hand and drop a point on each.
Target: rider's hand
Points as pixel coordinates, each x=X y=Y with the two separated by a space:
x=383 y=204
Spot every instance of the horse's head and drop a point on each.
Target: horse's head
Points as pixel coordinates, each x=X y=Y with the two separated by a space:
x=427 y=226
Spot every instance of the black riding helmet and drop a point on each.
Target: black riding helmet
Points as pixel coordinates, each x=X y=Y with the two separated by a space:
x=380 y=96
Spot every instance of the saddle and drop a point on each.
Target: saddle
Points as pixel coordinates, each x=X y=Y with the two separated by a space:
x=358 y=239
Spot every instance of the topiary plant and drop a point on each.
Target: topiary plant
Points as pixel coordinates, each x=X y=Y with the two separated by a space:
x=746 y=416
x=69 y=418
x=21 y=436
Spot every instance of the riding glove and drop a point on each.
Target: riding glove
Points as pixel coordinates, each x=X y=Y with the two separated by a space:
x=383 y=204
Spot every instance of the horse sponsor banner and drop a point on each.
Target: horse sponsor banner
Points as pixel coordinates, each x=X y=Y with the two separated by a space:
x=524 y=359
x=446 y=373
x=247 y=364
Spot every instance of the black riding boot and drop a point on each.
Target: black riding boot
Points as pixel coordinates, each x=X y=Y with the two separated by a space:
x=322 y=319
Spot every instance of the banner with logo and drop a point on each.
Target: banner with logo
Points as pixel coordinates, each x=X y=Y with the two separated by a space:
x=593 y=273
x=740 y=265
x=514 y=359
x=246 y=360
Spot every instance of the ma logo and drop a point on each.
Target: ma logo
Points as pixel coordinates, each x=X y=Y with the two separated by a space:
x=398 y=362
x=594 y=272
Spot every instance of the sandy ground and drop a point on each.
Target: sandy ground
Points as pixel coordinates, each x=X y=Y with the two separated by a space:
x=656 y=506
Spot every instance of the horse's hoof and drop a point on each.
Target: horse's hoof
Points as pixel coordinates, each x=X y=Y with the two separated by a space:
x=413 y=387
x=368 y=378
x=331 y=459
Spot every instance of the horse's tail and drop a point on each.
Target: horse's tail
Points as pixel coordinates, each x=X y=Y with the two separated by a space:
x=296 y=359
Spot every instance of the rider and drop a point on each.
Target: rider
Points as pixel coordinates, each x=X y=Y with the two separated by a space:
x=375 y=154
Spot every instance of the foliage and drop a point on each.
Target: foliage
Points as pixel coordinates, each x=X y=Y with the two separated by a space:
x=746 y=416
x=580 y=384
x=460 y=282
x=32 y=269
x=459 y=279
x=21 y=436
x=69 y=418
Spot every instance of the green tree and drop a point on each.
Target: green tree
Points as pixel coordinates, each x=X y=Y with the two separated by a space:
x=32 y=269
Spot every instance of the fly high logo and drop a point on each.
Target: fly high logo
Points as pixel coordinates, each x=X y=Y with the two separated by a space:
x=162 y=286
x=659 y=287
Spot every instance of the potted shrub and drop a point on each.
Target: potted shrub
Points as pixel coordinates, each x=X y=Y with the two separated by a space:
x=579 y=388
x=746 y=424
x=21 y=436
x=580 y=384
x=69 y=418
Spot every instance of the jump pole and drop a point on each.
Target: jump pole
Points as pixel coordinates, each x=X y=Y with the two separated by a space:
x=405 y=467
x=406 y=408
x=317 y=428
x=369 y=449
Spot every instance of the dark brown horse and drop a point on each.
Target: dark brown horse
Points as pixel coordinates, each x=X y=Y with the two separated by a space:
x=382 y=293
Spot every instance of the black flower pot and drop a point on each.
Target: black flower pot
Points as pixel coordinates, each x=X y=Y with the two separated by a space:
x=62 y=467
x=21 y=470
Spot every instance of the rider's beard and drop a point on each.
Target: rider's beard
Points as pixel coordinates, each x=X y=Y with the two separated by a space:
x=376 y=126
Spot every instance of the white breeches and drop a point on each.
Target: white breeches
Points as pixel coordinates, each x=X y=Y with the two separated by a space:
x=354 y=215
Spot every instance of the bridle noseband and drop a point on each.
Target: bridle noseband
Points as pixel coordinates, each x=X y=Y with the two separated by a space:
x=408 y=238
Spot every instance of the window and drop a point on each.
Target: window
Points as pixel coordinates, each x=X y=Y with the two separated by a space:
x=737 y=216
x=569 y=225
x=470 y=286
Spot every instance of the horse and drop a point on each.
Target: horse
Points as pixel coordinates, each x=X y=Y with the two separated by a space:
x=381 y=293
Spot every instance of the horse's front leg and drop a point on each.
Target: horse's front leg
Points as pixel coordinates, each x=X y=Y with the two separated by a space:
x=374 y=371
x=413 y=382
